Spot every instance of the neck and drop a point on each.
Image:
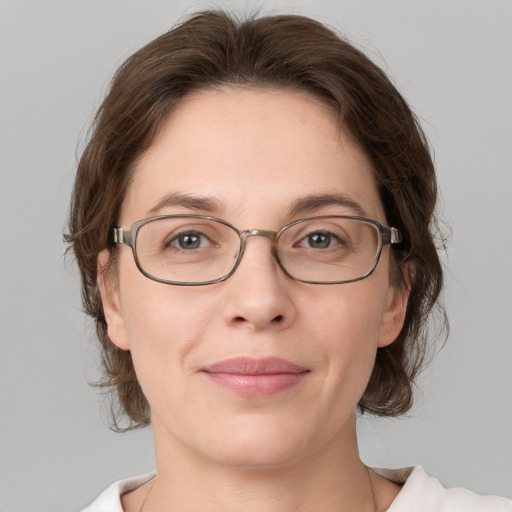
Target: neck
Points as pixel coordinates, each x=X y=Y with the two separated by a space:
x=332 y=478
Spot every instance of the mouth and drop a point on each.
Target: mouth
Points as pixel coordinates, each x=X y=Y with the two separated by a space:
x=249 y=377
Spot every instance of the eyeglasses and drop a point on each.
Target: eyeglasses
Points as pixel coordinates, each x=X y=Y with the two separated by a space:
x=193 y=250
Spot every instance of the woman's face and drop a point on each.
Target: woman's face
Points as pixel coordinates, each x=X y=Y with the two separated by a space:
x=248 y=156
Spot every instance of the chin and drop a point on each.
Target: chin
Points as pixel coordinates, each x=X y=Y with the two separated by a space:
x=262 y=445
x=256 y=456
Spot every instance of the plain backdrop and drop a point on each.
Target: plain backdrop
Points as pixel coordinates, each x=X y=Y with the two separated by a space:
x=451 y=59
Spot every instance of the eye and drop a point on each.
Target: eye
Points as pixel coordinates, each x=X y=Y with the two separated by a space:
x=189 y=240
x=319 y=240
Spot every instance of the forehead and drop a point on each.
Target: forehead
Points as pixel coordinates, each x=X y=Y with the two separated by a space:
x=251 y=151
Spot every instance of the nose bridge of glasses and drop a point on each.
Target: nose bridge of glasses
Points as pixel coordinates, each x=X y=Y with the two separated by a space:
x=248 y=233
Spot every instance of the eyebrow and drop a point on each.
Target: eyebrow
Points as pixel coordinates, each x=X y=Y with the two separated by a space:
x=314 y=202
x=196 y=203
x=300 y=206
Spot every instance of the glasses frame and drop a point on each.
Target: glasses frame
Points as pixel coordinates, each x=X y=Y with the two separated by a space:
x=121 y=236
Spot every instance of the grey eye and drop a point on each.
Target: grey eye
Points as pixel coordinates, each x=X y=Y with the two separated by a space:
x=319 y=240
x=189 y=240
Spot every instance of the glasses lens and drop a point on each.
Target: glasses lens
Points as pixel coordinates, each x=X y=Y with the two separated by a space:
x=186 y=249
x=329 y=250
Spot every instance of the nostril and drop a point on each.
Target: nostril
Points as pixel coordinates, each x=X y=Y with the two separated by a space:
x=278 y=319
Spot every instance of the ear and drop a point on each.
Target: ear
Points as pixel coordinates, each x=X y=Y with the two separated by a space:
x=395 y=308
x=109 y=291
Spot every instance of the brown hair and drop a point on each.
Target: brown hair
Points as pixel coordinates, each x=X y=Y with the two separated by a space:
x=213 y=49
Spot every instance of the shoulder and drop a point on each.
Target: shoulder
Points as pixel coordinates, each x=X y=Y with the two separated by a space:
x=110 y=499
x=423 y=493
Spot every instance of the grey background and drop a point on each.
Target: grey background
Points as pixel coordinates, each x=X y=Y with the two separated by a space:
x=451 y=59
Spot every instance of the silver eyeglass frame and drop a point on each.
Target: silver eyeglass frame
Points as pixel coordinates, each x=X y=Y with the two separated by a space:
x=122 y=236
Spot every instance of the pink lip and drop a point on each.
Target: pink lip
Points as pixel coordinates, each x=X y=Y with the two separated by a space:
x=250 y=377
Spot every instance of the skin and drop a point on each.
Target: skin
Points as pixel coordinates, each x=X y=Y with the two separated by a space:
x=255 y=152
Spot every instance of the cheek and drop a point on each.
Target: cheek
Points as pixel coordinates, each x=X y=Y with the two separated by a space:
x=164 y=324
x=347 y=330
x=347 y=315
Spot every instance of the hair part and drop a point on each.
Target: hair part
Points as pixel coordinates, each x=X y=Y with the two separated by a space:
x=214 y=49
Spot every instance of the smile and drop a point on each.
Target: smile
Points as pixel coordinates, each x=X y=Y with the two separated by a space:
x=250 y=377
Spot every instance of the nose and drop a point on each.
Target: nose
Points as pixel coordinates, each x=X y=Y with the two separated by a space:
x=258 y=294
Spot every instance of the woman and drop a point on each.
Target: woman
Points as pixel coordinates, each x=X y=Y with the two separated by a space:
x=252 y=220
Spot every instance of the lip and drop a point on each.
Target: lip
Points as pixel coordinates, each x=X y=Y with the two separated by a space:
x=250 y=377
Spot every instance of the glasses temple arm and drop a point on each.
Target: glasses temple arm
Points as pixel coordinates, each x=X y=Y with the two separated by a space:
x=391 y=236
x=122 y=237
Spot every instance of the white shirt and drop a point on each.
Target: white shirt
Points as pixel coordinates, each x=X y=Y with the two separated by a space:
x=420 y=493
